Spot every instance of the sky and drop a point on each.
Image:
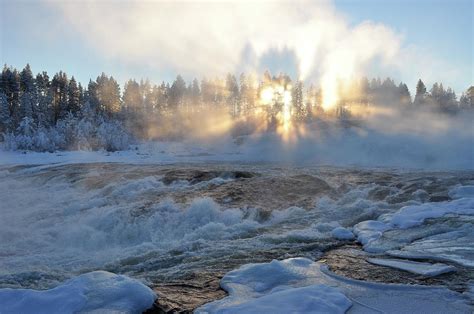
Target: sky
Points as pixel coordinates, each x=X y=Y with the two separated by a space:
x=318 y=41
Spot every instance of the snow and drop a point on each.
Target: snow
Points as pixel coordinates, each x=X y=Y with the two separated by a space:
x=440 y=240
x=326 y=145
x=310 y=299
x=462 y=191
x=342 y=233
x=425 y=269
x=99 y=291
x=369 y=230
x=415 y=215
x=277 y=287
x=299 y=285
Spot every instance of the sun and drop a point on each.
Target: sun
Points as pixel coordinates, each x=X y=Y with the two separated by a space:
x=267 y=95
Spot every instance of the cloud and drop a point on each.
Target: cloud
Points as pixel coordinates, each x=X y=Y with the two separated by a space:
x=197 y=38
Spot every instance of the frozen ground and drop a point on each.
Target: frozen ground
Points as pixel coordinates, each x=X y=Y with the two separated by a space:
x=176 y=223
x=329 y=145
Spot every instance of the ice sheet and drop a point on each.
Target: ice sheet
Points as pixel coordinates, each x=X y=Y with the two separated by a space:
x=425 y=269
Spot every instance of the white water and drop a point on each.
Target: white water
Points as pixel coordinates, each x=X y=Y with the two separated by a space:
x=55 y=226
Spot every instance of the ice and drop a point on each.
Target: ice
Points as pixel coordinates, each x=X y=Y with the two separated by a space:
x=299 y=285
x=449 y=235
x=368 y=232
x=98 y=291
x=410 y=216
x=425 y=269
x=454 y=246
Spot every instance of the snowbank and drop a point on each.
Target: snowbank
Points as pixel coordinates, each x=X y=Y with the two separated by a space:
x=99 y=291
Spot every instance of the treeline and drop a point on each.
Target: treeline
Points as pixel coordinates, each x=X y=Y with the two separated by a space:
x=47 y=114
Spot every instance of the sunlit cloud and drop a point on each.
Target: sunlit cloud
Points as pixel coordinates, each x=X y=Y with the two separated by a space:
x=212 y=38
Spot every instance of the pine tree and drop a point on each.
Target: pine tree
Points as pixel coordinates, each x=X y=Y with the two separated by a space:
x=297 y=100
x=420 y=95
x=27 y=82
x=364 y=91
x=59 y=85
x=108 y=94
x=162 y=99
x=73 y=97
x=177 y=91
x=91 y=96
x=196 y=93
x=4 y=114
x=404 y=94
x=10 y=85
x=466 y=101
x=232 y=94
x=26 y=106
x=44 y=113
x=131 y=95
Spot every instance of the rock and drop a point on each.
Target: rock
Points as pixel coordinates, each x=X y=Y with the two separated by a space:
x=187 y=295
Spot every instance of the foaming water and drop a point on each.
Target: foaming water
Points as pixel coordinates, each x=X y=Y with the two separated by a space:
x=58 y=222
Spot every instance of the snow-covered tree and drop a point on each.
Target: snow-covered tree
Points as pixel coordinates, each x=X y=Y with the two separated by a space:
x=26 y=105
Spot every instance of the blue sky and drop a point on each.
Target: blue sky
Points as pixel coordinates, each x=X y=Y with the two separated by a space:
x=443 y=28
x=38 y=33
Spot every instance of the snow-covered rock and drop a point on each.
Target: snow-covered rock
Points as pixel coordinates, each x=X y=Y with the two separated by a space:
x=342 y=233
x=415 y=215
x=299 y=285
x=98 y=291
